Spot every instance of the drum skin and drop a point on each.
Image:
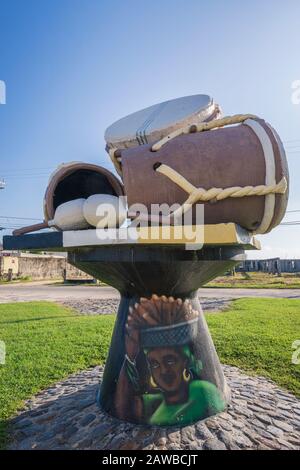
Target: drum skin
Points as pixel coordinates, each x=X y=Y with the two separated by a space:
x=222 y=158
x=151 y=124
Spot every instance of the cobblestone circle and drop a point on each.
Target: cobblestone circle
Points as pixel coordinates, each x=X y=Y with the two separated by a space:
x=260 y=416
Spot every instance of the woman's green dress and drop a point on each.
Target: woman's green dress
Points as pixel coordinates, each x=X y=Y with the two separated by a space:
x=204 y=400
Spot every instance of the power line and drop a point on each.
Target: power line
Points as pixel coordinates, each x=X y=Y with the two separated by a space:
x=291 y=145
x=18 y=170
x=8 y=225
x=8 y=228
x=292 y=222
x=36 y=173
x=17 y=218
x=26 y=177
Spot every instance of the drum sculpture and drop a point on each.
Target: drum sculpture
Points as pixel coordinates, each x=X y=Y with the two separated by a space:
x=162 y=368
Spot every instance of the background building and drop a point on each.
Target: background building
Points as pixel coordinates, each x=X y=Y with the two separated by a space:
x=18 y=265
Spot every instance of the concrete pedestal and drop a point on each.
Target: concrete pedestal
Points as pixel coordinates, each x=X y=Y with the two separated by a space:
x=162 y=368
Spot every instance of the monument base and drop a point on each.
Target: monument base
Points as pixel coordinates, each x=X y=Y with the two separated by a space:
x=162 y=368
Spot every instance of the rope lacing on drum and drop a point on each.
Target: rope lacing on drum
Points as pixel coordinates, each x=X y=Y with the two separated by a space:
x=217 y=194
x=203 y=126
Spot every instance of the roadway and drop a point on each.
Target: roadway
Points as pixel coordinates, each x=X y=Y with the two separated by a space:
x=58 y=292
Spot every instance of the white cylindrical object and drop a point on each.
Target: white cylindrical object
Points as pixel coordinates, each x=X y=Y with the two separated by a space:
x=151 y=124
x=104 y=211
x=69 y=216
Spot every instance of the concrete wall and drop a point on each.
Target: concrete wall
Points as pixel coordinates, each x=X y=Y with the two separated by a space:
x=41 y=268
x=75 y=274
x=38 y=267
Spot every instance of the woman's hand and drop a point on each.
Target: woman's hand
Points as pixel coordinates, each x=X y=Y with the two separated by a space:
x=142 y=315
x=132 y=341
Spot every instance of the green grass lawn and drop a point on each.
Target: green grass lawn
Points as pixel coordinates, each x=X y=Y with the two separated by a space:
x=257 y=335
x=46 y=342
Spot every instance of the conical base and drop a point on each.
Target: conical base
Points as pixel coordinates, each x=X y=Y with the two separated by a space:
x=162 y=367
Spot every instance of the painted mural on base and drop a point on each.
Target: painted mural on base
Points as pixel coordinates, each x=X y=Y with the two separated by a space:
x=160 y=379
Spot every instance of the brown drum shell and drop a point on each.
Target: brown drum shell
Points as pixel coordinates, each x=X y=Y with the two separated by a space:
x=76 y=180
x=222 y=158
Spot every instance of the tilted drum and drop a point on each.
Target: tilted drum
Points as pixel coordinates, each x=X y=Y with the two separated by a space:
x=239 y=172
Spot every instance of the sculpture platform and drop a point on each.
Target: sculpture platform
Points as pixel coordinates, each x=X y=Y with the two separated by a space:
x=210 y=235
x=162 y=368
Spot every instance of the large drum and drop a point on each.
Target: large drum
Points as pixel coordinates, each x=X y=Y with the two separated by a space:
x=239 y=172
x=155 y=122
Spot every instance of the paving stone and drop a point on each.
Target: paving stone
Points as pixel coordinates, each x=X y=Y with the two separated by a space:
x=270 y=443
x=258 y=424
x=45 y=437
x=187 y=434
x=247 y=412
x=33 y=430
x=23 y=423
x=174 y=437
x=87 y=419
x=129 y=445
x=286 y=444
x=264 y=418
x=284 y=406
x=242 y=440
x=225 y=425
x=282 y=425
x=144 y=435
x=294 y=440
x=296 y=424
x=212 y=424
x=252 y=435
x=275 y=431
x=202 y=431
x=70 y=430
x=214 y=444
x=226 y=438
x=100 y=431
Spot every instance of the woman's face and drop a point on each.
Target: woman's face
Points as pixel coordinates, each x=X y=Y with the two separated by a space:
x=167 y=366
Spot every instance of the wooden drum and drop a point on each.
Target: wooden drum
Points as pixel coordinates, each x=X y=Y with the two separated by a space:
x=239 y=172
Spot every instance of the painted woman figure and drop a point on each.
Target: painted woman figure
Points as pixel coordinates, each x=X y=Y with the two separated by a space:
x=169 y=391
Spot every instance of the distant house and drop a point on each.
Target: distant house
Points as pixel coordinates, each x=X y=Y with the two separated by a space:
x=272 y=265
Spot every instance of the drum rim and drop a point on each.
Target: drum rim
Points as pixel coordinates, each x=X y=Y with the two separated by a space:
x=132 y=139
x=68 y=169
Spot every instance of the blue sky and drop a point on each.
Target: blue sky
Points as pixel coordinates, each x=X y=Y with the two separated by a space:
x=72 y=67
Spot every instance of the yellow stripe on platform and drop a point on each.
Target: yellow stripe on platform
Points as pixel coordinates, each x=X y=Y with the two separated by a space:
x=214 y=234
x=211 y=235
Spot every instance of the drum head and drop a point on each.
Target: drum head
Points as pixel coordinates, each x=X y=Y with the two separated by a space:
x=157 y=121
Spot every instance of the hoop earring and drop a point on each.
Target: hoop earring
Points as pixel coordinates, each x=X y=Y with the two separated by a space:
x=152 y=383
x=186 y=375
